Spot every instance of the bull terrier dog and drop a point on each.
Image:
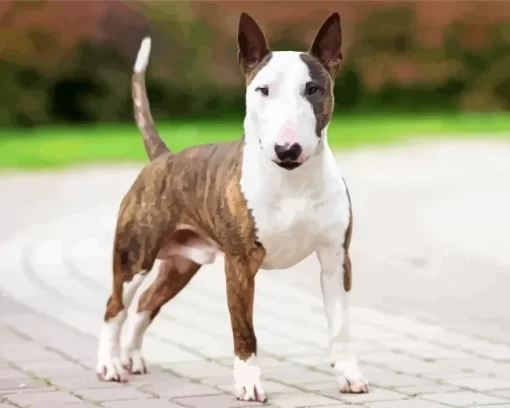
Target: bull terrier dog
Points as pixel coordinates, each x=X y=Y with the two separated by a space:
x=265 y=201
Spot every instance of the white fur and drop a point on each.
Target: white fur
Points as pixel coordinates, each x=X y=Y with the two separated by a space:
x=247 y=379
x=142 y=59
x=198 y=250
x=132 y=348
x=273 y=119
x=108 y=355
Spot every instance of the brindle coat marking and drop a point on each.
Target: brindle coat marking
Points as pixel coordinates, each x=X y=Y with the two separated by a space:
x=194 y=197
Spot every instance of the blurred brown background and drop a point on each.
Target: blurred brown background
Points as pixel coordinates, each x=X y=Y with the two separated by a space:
x=71 y=60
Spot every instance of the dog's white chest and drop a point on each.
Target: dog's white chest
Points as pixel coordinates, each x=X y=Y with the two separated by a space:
x=289 y=230
x=294 y=219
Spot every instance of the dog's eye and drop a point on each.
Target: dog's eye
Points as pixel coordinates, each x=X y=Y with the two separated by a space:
x=264 y=90
x=312 y=90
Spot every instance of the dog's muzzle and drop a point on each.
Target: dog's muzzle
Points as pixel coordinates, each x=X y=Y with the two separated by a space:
x=288 y=155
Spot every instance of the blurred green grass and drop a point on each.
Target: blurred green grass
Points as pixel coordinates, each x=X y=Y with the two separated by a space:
x=107 y=143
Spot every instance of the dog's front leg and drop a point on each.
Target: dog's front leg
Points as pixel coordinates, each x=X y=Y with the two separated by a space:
x=240 y=275
x=335 y=263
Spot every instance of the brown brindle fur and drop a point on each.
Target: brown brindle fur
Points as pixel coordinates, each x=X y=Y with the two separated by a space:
x=199 y=188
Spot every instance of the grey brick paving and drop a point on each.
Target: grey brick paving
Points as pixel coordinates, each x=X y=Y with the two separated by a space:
x=54 y=280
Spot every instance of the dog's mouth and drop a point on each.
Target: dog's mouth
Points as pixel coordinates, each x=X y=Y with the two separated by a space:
x=288 y=165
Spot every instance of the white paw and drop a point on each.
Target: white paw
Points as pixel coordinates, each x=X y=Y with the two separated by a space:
x=349 y=377
x=247 y=380
x=109 y=368
x=133 y=362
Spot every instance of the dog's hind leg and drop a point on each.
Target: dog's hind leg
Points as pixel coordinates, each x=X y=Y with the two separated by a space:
x=174 y=274
x=130 y=266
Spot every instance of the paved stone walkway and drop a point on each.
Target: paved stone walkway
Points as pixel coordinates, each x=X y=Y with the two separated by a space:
x=54 y=280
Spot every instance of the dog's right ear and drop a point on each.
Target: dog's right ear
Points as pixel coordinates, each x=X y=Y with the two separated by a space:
x=251 y=43
x=327 y=45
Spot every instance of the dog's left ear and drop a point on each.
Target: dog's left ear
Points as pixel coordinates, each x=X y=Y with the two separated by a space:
x=327 y=45
x=251 y=42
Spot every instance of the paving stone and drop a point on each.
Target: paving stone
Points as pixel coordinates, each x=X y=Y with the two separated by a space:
x=63 y=405
x=502 y=393
x=481 y=384
x=300 y=376
x=12 y=374
x=53 y=368
x=159 y=381
x=398 y=380
x=89 y=381
x=453 y=376
x=112 y=394
x=387 y=357
x=316 y=361
x=491 y=406
x=27 y=352
x=295 y=400
x=463 y=398
x=405 y=404
x=10 y=386
x=376 y=394
x=149 y=403
x=213 y=401
x=496 y=352
x=182 y=390
x=426 y=389
x=31 y=398
x=200 y=369
x=433 y=367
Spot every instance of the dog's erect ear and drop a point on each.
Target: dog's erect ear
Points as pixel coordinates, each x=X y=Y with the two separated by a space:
x=327 y=45
x=251 y=42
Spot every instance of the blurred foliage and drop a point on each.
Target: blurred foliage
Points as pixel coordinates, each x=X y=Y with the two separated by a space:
x=193 y=70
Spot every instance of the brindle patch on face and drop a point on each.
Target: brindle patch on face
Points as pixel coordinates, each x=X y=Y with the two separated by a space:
x=323 y=100
x=253 y=73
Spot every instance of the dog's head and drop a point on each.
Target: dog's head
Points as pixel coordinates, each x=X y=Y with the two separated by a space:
x=289 y=94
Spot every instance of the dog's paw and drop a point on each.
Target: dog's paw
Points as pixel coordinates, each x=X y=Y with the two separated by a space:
x=133 y=362
x=247 y=381
x=349 y=377
x=109 y=368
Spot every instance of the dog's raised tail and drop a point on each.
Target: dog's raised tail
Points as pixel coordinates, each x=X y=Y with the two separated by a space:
x=154 y=145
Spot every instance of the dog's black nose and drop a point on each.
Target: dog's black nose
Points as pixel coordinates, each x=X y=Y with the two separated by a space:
x=286 y=152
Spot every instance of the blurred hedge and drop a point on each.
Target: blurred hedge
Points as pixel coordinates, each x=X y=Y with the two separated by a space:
x=193 y=71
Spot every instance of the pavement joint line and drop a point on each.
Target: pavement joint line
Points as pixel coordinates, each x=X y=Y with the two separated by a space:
x=43 y=380
x=65 y=356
